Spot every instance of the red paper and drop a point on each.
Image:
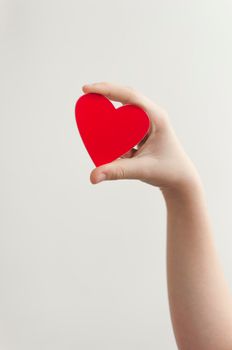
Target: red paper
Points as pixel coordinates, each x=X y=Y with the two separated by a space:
x=108 y=132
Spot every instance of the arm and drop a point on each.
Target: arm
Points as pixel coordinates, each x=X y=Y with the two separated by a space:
x=199 y=298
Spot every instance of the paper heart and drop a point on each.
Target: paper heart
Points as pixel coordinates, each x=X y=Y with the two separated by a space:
x=108 y=132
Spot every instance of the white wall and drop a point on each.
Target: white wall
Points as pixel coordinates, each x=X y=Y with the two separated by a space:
x=83 y=266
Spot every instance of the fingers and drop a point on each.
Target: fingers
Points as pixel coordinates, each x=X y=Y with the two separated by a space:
x=120 y=93
x=128 y=95
x=114 y=92
x=117 y=170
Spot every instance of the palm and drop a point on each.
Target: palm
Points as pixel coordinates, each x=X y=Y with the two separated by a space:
x=159 y=158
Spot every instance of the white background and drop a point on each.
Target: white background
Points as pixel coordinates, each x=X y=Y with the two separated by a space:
x=82 y=266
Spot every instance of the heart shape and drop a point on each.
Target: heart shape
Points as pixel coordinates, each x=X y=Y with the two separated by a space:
x=108 y=132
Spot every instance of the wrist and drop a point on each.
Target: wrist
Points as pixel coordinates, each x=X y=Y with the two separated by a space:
x=184 y=191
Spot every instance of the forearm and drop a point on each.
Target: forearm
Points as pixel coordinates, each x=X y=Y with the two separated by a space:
x=199 y=297
x=200 y=300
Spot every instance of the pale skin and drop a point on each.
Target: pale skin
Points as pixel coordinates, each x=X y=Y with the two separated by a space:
x=200 y=300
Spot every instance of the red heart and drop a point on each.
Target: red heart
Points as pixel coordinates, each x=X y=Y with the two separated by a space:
x=107 y=132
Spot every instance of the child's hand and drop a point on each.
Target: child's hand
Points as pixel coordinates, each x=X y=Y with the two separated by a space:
x=159 y=160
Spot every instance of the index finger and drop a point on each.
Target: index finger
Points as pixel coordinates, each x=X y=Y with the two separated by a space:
x=123 y=94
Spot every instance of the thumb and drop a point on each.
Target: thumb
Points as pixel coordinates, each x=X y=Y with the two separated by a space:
x=118 y=169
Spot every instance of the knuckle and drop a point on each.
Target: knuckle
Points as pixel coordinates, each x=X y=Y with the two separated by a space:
x=119 y=173
x=165 y=116
x=164 y=113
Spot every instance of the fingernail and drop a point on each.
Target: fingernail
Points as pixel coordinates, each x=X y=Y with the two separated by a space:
x=101 y=177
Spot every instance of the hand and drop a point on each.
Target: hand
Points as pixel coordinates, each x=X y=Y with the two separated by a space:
x=160 y=159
